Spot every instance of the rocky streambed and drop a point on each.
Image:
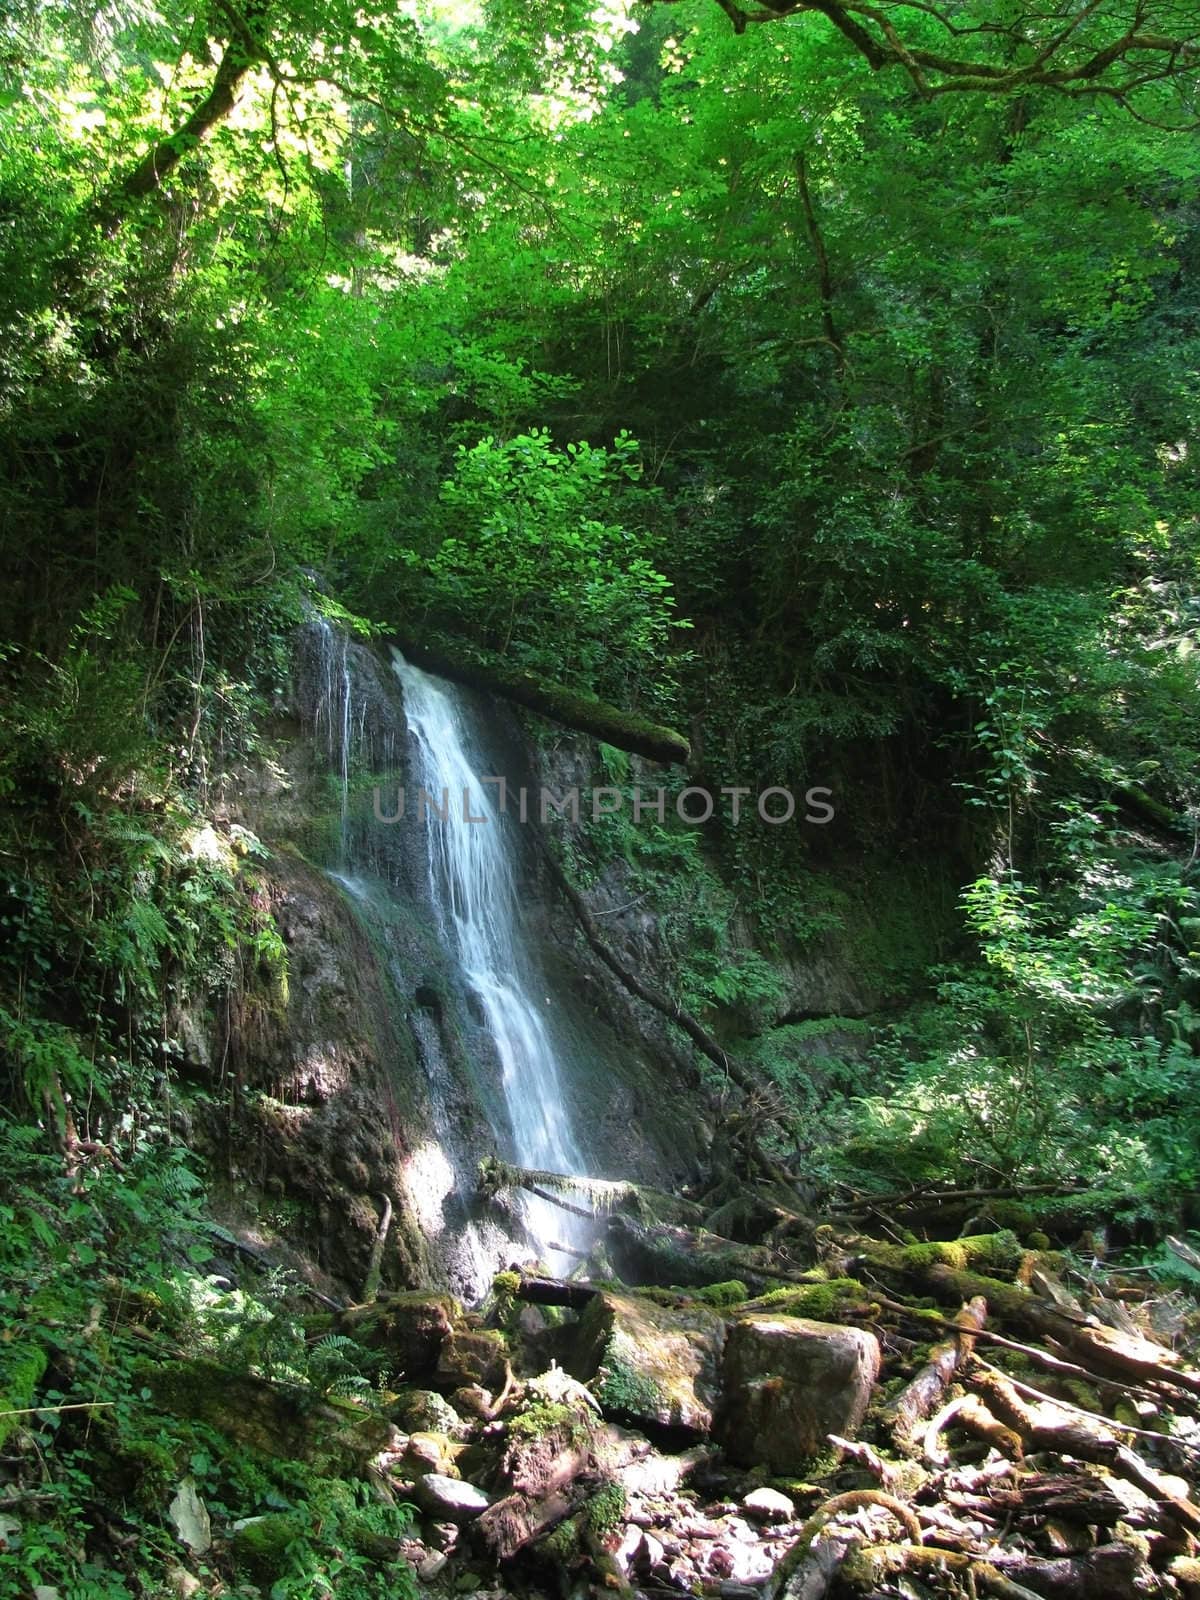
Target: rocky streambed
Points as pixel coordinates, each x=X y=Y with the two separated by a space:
x=944 y=1418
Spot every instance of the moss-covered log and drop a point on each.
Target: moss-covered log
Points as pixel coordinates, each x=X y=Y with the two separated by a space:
x=625 y=730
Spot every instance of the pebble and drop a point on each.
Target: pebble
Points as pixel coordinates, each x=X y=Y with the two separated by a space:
x=768 y=1505
x=431 y=1567
x=653 y=1553
x=699 y=1528
x=631 y=1543
x=720 y=1562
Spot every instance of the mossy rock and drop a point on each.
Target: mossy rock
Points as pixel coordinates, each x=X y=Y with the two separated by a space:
x=832 y=1300
x=648 y=1364
x=269 y=1419
x=411 y=1328
x=472 y=1355
x=787 y=1384
x=144 y=1469
x=262 y=1543
x=426 y=1411
x=731 y=1293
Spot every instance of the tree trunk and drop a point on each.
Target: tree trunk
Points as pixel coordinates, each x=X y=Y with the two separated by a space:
x=623 y=729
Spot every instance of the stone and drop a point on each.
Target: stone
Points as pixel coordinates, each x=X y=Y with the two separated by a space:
x=768 y=1505
x=426 y=1411
x=429 y=1452
x=652 y=1365
x=630 y=1546
x=260 y=1544
x=787 y=1383
x=449 y=1498
x=473 y=1356
x=412 y=1328
x=431 y=1567
x=189 y=1515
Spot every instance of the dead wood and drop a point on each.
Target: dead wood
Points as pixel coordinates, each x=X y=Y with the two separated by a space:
x=914 y=1403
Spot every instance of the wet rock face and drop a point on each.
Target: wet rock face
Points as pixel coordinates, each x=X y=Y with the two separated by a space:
x=787 y=1383
x=328 y=1107
x=653 y=1366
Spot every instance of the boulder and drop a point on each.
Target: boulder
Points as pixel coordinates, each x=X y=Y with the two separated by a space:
x=651 y=1365
x=787 y=1383
x=412 y=1328
x=449 y=1499
x=425 y=1411
x=472 y=1356
x=331 y=1435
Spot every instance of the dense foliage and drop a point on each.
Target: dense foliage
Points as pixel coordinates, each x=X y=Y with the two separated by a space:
x=846 y=419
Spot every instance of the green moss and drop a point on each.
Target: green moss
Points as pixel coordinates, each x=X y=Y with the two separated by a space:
x=506 y=1284
x=997 y=1252
x=830 y=1300
x=21 y=1369
x=562 y=1543
x=730 y=1293
x=540 y=1419
x=262 y=1545
x=620 y=1387
x=605 y=1511
x=269 y=1419
x=145 y=1469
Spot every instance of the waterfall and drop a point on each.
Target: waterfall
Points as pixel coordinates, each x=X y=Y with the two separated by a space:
x=474 y=893
x=340 y=717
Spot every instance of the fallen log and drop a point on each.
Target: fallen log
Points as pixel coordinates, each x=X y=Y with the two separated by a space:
x=1109 y=1572
x=1159 y=1438
x=1076 y=1498
x=555 y=1292
x=624 y=730
x=1049 y=1426
x=508 y=1525
x=915 y=1402
x=969 y=1412
x=906 y=1199
x=810 y=1566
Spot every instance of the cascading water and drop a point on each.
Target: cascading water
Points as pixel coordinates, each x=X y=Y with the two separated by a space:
x=474 y=893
